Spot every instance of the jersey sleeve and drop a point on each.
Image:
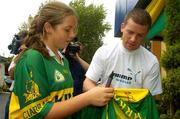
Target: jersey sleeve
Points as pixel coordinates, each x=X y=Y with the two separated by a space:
x=30 y=95
x=97 y=64
x=153 y=81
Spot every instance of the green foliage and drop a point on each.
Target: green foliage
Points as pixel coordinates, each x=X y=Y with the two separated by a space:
x=177 y=115
x=171 y=91
x=171 y=85
x=91 y=26
x=165 y=116
x=23 y=27
x=42 y=5
x=172 y=29
x=171 y=58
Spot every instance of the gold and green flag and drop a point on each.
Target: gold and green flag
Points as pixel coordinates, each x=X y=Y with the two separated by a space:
x=126 y=104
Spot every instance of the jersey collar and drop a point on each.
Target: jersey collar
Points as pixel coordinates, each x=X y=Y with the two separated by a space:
x=51 y=53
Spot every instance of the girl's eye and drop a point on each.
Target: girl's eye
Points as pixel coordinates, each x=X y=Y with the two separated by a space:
x=71 y=30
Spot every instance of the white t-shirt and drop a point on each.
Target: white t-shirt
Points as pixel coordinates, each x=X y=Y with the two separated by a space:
x=132 y=69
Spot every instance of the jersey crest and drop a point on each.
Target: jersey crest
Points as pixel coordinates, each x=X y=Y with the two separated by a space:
x=58 y=76
x=32 y=91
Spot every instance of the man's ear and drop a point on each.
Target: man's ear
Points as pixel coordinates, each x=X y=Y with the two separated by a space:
x=122 y=27
x=48 y=28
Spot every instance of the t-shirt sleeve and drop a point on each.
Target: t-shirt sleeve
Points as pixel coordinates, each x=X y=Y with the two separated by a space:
x=153 y=80
x=97 y=64
x=31 y=87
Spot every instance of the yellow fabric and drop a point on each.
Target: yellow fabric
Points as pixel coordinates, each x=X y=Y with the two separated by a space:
x=16 y=113
x=151 y=5
x=119 y=113
x=14 y=107
x=61 y=93
x=155 y=8
x=130 y=95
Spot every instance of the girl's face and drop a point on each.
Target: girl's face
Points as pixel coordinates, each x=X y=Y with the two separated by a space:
x=63 y=33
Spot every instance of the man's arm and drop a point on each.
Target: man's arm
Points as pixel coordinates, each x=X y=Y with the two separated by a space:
x=88 y=84
x=153 y=81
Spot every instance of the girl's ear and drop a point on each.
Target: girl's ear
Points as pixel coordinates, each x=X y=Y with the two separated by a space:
x=47 y=28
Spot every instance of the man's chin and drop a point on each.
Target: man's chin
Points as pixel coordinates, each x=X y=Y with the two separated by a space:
x=130 y=48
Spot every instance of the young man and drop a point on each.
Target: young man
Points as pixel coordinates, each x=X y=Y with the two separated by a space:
x=133 y=65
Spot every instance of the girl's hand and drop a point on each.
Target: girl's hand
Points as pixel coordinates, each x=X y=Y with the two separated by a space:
x=99 y=96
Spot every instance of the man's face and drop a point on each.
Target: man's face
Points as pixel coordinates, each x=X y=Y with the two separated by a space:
x=133 y=34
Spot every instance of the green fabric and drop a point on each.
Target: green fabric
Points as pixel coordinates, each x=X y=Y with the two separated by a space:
x=157 y=27
x=144 y=109
x=36 y=78
x=89 y=112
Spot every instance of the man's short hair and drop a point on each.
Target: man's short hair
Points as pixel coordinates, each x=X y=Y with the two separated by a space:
x=139 y=16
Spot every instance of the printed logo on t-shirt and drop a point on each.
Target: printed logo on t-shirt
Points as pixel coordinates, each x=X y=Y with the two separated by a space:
x=58 y=76
x=122 y=78
x=134 y=74
x=127 y=78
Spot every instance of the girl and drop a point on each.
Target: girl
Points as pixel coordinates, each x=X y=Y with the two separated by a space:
x=43 y=83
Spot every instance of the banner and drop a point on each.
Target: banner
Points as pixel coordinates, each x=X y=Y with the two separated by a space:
x=157 y=27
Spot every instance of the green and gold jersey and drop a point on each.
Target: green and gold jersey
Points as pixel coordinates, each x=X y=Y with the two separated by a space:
x=39 y=82
x=126 y=104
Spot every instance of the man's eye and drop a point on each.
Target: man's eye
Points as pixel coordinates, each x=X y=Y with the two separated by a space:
x=67 y=30
x=130 y=32
x=140 y=36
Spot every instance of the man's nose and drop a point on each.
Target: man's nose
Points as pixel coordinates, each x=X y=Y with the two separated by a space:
x=133 y=38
